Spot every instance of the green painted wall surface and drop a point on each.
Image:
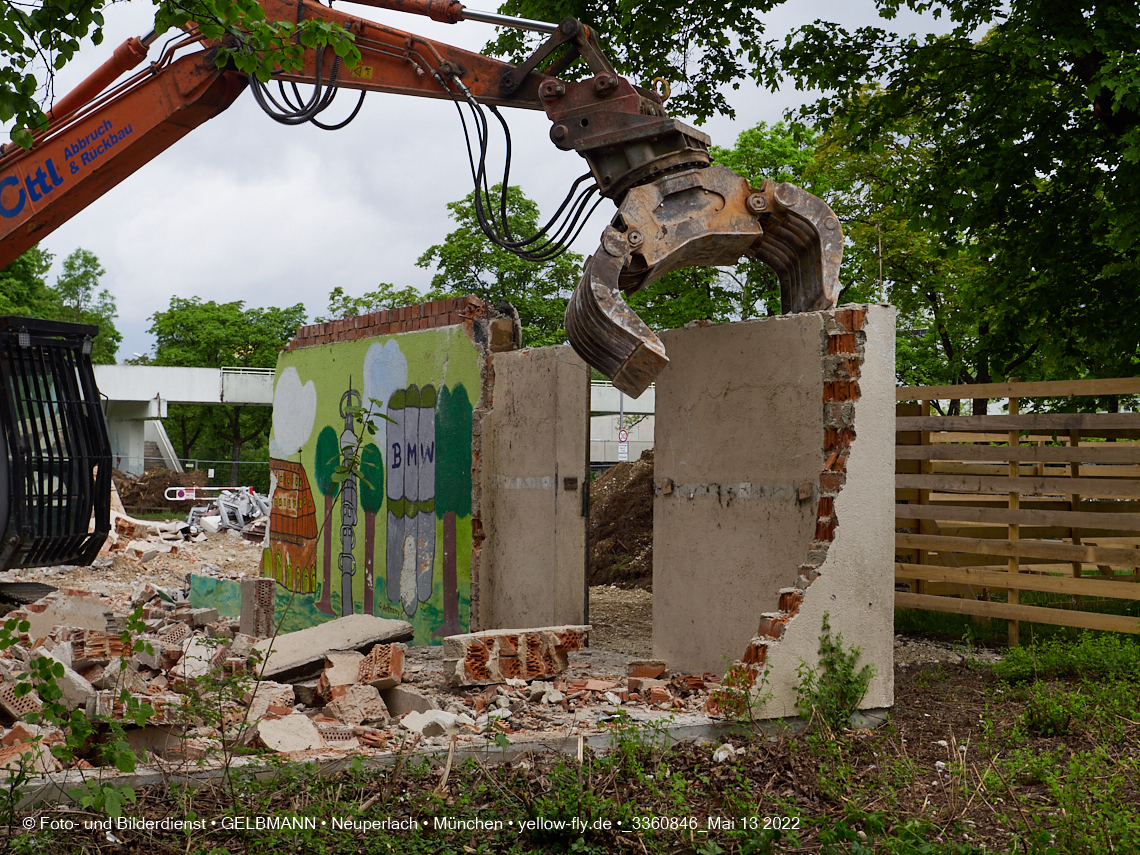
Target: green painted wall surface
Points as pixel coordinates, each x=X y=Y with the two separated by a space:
x=396 y=538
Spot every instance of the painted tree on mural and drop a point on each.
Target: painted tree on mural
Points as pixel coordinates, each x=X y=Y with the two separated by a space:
x=452 y=489
x=325 y=461
x=371 y=500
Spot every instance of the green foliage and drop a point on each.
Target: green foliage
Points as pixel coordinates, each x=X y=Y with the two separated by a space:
x=1105 y=656
x=386 y=296
x=23 y=288
x=1050 y=712
x=1032 y=153
x=82 y=733
x=196 y=334
x=468 y=263
x=832 y=694
x=693 y=44
x=75 y=298
x=42 y=37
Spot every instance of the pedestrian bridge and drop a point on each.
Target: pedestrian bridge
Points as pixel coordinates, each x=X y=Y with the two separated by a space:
x=138 y=395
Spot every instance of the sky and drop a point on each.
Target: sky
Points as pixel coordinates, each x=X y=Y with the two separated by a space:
x=246 y=209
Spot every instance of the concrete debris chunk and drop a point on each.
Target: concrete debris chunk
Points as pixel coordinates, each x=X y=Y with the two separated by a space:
x=144 y=593
x=162 y=655
x=198 y=656
x=118 y=676
x=76 y=690
x=538 y=690
x=342 y=668
x=357 y=704
x=499 y=655
x=306 y=692
x=401 y=700
x=431 y=723
x=297 y=655
x=288 y=733
x=383 y=667
x=74 y=609
x=268 y=694
x=242 y=645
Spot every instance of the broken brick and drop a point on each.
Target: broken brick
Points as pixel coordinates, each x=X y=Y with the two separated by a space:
x=383 y=667
x=489 y=657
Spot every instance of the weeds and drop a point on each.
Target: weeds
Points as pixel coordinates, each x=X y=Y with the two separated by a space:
x=832 y=694
x=1111 y=657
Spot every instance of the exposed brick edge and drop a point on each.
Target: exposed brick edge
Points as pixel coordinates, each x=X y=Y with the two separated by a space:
x=422 y=316
x=842 y=351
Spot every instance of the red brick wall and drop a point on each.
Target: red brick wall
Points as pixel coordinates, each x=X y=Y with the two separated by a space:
x=423 y=316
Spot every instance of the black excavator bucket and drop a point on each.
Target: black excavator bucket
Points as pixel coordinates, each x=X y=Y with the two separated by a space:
x=700 y=216
x=55 y=452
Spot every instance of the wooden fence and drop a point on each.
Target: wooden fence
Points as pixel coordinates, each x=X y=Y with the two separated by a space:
x=1025 y=516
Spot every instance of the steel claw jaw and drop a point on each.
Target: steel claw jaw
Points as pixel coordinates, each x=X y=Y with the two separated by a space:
x=697 y=217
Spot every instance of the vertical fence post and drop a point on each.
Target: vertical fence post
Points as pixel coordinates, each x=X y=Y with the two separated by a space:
x=1075 y=505
x=1014 y=528
x=925 y=467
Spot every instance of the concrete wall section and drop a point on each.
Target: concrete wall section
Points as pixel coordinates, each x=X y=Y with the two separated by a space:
x=855 y=583
x=531 y=568
x=756 y=423
x=737 y=408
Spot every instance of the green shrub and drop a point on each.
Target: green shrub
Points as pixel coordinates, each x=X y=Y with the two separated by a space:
x=832 y=693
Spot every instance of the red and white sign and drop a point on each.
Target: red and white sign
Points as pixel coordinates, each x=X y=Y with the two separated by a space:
x=623 y=435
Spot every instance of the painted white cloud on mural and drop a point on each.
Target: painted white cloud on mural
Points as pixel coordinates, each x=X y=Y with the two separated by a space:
x=294 y=412
x=385 y=371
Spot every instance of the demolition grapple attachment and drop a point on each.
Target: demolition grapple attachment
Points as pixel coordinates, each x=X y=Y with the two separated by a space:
x=699 y=216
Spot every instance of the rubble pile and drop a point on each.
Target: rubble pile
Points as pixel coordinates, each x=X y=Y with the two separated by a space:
x=144 y=541
x=146 y=493
x=350 y=684
x=621 y=525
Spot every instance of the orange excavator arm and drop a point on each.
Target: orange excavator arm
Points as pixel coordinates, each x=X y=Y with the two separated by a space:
x=87 y=152
x=675 y=208
x=97 y=138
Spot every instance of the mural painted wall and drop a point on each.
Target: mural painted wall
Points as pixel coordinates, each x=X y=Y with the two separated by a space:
x=393 y=540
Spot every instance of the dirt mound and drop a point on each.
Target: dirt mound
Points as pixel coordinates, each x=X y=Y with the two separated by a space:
x=146 y=493
x=621 y=525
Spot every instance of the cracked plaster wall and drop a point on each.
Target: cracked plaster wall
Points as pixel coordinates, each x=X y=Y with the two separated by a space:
x=774 y=500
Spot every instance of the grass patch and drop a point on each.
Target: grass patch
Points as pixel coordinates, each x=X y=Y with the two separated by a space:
x=1105 y=656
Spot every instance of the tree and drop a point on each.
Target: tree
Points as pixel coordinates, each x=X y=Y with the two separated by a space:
x=1034 y=156
x=194 y=334
x=24 y=291
x=693 y=44
x=386 y=296
x=41 y=37
x=80 y=302
x=468 y=263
